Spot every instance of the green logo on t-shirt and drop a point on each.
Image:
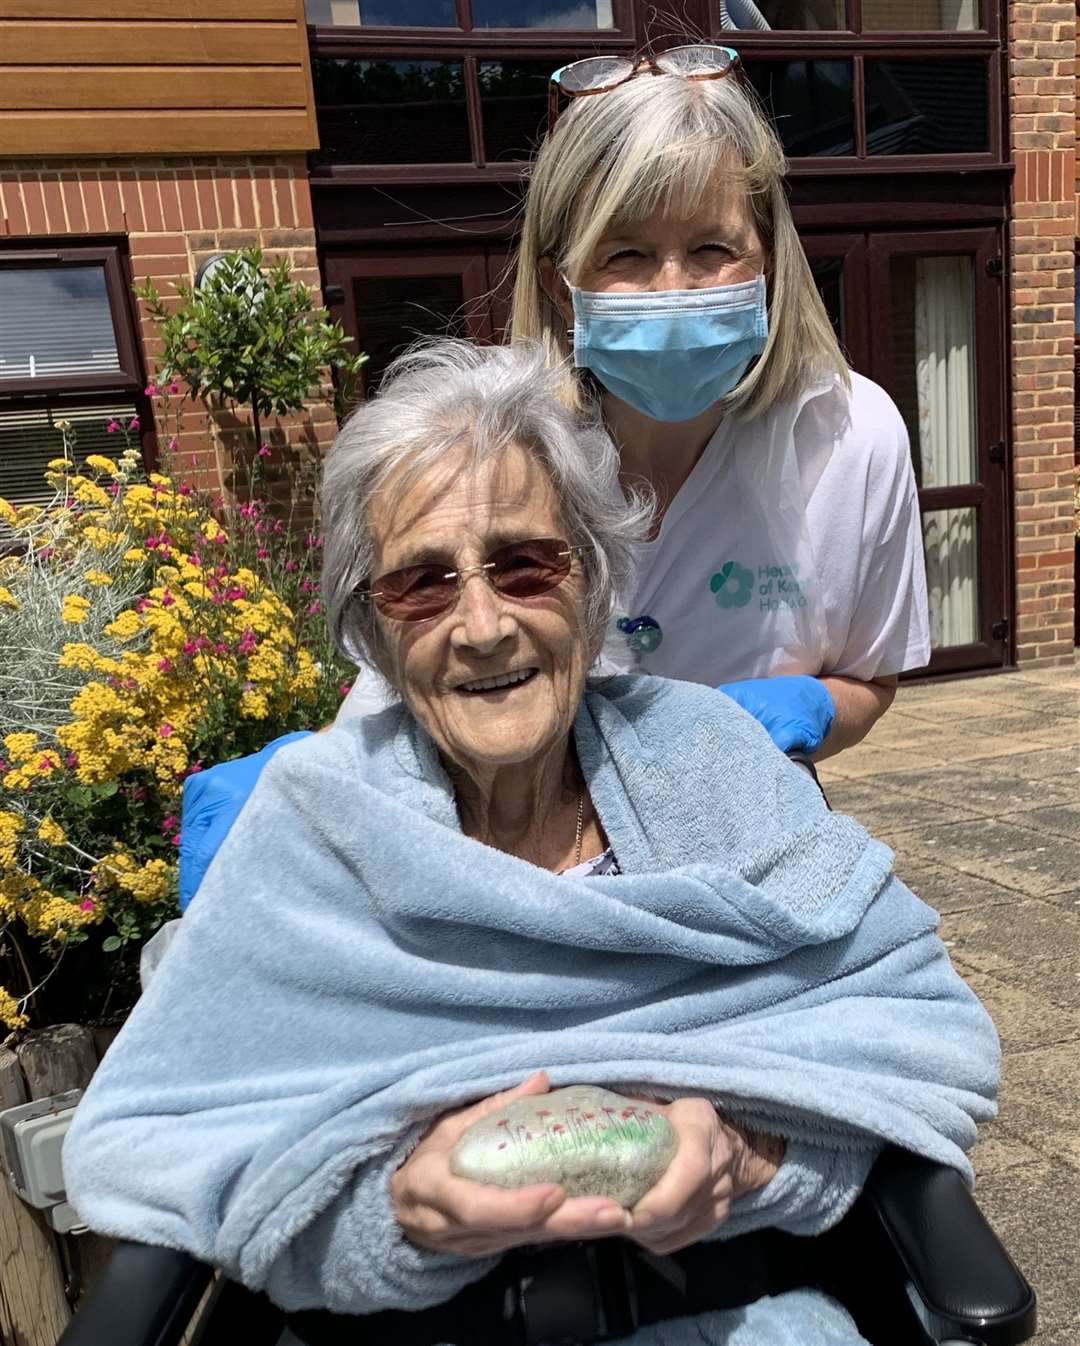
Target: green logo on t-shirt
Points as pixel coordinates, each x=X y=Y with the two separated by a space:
x=733 y=585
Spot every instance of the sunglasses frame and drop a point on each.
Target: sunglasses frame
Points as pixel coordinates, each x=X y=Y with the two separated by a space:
x=369 y=594
x=641 y=62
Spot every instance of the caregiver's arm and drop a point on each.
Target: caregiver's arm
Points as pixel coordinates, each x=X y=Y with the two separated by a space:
x=858 y=707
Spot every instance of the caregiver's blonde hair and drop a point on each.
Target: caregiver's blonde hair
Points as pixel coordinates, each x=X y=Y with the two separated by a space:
x=667 y=141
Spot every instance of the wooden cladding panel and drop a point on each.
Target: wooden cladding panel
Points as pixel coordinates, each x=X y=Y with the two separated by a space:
x=85 y=43
x=101 y=77
x=254 y=11
x=51 y=88
x=84 y=133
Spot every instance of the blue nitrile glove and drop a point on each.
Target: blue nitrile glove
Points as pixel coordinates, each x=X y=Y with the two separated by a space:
x=212 y=800
x=797 y=711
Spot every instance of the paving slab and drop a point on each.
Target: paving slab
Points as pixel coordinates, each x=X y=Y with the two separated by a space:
x=1011 y=935
x=948 y=890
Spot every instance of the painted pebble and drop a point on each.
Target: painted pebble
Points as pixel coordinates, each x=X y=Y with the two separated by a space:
x=590 y=1141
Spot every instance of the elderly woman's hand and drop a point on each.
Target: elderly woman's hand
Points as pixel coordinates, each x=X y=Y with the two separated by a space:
x=443 y=1213
x=716 y=1163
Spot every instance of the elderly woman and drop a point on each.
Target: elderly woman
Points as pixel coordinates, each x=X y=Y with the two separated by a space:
x=516 y=872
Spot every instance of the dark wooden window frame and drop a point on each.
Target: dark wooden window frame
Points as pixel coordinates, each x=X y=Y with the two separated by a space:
x=560 y=45
x=129 y=381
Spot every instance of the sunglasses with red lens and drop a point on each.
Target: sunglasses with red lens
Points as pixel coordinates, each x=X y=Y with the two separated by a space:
x=517 y=570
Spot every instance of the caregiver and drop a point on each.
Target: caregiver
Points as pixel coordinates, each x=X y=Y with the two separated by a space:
x=514 y=869
x=658 y=254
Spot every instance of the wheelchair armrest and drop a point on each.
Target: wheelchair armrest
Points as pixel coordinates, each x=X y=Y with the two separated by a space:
x=968 y=1285
x=145 y=1296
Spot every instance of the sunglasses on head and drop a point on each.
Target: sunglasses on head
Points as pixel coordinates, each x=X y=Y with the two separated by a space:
x=516 y=570
x=598 y=74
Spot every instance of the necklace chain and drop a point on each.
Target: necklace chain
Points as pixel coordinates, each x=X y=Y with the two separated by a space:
x=580 y=826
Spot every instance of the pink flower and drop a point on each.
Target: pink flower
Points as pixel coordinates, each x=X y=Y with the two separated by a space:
x=112 y=427
x=262 y=553
x=195 y=766
x=46 y=764
x=290 y=566
x=190 y=647
x=151 y=390
x=264 y=450
x=169 y=824
x=313 y=608
x=345 y=688
x=174 y=387
x=3 y=766
x=113 y=488
x=165 y=730
x=71 y=760
x=137 y=794
x=247 y=642
x=221 y=648
x=234 y=592
x=176 y=839
x=167 y=599
x=88 y=905
x=151 y=543
x=142 y=605
x=174 y=444
x=164 y=665
x=133 y=424
x=183 y=489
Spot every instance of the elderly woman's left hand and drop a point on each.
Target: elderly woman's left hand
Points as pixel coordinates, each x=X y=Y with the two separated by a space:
x=716 y=1163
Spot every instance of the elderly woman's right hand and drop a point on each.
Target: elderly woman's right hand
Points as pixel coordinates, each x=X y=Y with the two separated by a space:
x=444 y=1213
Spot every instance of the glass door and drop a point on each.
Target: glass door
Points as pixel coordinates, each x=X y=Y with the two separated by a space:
x=922 y=314
x=388 y=300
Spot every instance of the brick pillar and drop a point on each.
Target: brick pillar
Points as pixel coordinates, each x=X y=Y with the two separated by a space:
x=1042 y=116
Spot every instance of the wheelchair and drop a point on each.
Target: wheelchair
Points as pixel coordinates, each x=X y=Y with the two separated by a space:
x=914 y=1262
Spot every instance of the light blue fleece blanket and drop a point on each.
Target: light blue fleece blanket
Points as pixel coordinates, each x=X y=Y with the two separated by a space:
x=353 y=966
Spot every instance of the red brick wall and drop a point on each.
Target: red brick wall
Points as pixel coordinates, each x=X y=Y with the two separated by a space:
x=174 y=213
x=1042 y=87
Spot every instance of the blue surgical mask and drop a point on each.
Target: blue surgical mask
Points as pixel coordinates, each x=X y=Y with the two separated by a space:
x=671 y=354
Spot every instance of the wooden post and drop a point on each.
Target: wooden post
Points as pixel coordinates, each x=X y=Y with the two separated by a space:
x=33 y=1307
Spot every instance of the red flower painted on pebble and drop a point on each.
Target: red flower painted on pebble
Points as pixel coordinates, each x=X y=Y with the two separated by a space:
x=557 y=1128
x=543 y=1113
x=504 y=1122
x=627 y=1112
x=588 y=1116
x=501 y=1146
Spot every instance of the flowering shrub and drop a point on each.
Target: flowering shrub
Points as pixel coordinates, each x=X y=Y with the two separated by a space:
x=142 y=638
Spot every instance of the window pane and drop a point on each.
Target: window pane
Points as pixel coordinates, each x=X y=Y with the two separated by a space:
x=950 y=537
x=811 y=104
x=391 y=112
x=804 y=15
x=513 y=99
x=29 y=439
x=393 y=311
x=918 y=16
x=542 y=14
x=55 y=321
x=933 y=302
x=379 y=13
x=926 y=107
x=828 y=273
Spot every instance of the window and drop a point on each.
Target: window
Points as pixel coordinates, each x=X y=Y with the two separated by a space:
x=67 y=352
x=472 y=15
x=867 y=16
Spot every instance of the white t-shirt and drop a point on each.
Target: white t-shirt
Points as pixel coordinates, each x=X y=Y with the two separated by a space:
x=794 y=546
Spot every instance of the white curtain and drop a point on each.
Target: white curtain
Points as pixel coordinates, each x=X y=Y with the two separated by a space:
x=945 y=380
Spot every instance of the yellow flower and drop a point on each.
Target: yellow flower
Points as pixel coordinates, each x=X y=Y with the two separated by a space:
x=51 y=832
x=11 y=824
x=211 y=530
x=58 y=465
x=100 y=463
x=134 y=554
x=8 y=599
x=98 y=578
x=8 y=512
x=125 y=626
x=254 y=706
x=9 y=1010
x=90 y=493
x=76 y=609
x=21 y=747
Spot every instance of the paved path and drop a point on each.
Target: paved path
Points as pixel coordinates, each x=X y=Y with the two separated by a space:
x=976 y=786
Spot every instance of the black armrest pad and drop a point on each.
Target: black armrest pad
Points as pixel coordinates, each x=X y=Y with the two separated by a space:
x=968 y=1283
x=145 y=1296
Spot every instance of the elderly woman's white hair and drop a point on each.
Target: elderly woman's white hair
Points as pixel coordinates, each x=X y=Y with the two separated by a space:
x=666 y=141
x=436 y=399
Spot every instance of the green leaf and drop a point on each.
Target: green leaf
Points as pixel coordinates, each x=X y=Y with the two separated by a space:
x=111 y=944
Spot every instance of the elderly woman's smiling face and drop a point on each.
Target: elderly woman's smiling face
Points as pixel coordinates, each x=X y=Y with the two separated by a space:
x=442 y=666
